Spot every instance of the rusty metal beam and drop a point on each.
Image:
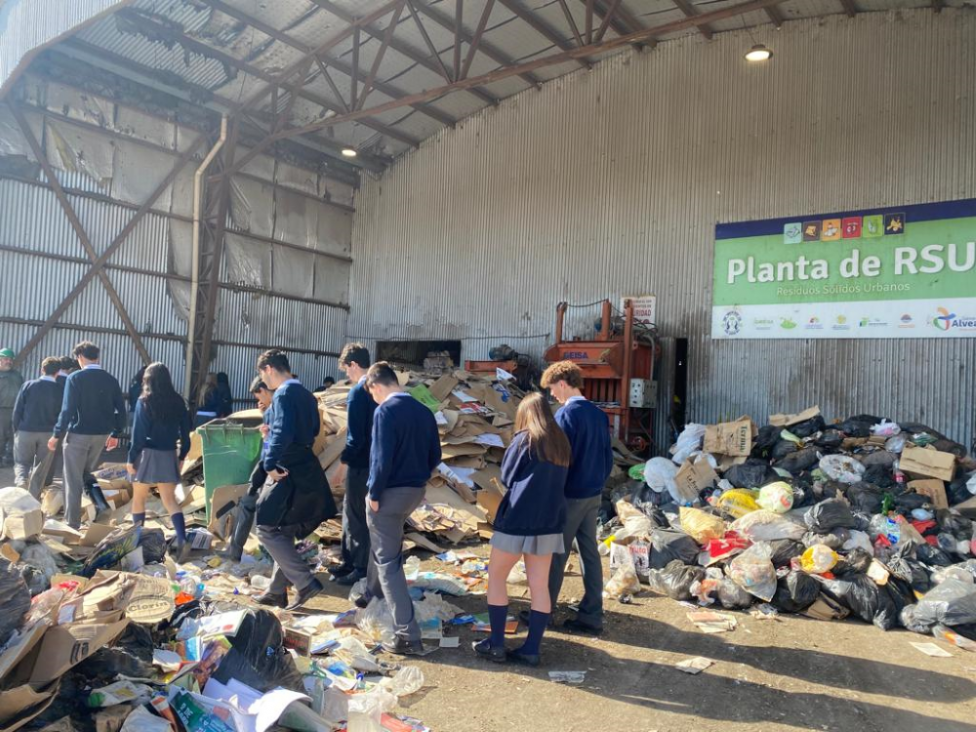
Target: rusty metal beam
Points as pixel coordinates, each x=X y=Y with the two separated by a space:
x=430 y=44
x=775 y=17
x=476 y=41
x=608 y=19
x=542 y=29
x=559 y=58
x=332 y=85
x=97 y=261
x=571 y=22
x=691 y=12
x=492 y=52
x=397 y=45
x=385 y=44
x=458 y=24
x=621 y=20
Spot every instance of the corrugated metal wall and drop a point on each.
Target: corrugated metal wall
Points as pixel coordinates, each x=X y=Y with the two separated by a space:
x=610 y=183
x=279 y=215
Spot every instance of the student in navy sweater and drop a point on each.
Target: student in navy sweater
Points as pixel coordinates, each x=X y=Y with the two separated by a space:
x=296 y=497
x=35 y=413
x=209 y=402
x=588 y=430
x=529 y=523
x=68 y=367
x=160 y=443
x=92 y=418
x=354 y=360
x=405 y=450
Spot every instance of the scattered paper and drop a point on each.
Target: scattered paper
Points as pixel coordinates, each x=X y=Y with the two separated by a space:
x=695 y=666
x=712 y=622
x=463 y=396
x=573 y=678
x=450 y=641
x=503 y=375
x=492 y=440
x=441 y=419
x=930 y=649
x=167 y=660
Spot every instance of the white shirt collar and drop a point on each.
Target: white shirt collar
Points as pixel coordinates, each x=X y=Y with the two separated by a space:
x=48 y=378
x=362 y=379
x=92 y=366
x=62 y=372
x=576 y=399
x=292 y=381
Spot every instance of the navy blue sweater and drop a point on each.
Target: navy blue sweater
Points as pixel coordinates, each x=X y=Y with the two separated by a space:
x=295 y=421
x=535 y=503
x=406 y=446
x=153 y=434
x=360 y=407
x=38 y=405
x=92 y=405
x=588 y=430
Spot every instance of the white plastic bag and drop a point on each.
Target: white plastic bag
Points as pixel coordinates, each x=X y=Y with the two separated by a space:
x=366 y=710
x=858 y=540
x=754 y=572
x=842 y=468
x=776 y=497
x=376 y=621
x=408 y=680
x=896 y=444
x=763 y=525
x=659 y=475
x=689 y=441
x=885 y=429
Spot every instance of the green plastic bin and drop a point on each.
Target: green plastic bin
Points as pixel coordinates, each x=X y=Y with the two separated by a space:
x=230 y=452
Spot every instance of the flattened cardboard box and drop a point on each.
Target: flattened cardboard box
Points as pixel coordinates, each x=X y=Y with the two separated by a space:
x=787 y=420
x=933 y=489
x=928 y=463
x=693 y=478
x=65 y=646
x=730 y=438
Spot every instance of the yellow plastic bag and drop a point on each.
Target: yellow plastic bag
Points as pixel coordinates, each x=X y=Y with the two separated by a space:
x=738 y=502
x=701 y=525
x=818 y=559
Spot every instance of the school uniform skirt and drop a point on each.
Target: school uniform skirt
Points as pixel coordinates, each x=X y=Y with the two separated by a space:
x=515 y=544
x=157 y=466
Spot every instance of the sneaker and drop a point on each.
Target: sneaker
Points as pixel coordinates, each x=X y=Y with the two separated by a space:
x=574 y=625
x=348 y=580
x=487 y=650
x=272 y=599
x=306 y=594
x=527 y=659
x=404 y=647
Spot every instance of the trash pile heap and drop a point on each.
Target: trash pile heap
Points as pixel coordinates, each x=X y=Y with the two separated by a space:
x=863 y=518
x=475 y=416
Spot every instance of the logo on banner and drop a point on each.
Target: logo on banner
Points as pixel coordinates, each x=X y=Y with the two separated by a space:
x=732 y=323
x=946 y=320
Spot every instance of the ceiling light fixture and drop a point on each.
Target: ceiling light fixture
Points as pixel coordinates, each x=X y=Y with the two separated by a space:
x=758 y=53
x=349 y=152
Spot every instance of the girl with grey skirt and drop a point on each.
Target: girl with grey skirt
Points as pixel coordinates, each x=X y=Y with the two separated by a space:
x=160 y=443
x=529 y=523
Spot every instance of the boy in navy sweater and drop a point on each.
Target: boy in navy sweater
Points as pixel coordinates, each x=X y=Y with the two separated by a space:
x=354 y=360
x=588 y=430
x=406 y=448
x=35 y=412
x=92 y=417
x=296 y=497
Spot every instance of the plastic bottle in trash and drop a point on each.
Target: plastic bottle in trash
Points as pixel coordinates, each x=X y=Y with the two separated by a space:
x=190 y=584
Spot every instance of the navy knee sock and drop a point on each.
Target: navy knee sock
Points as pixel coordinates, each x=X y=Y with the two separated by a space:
x=139 y=518
x=497 y=617
x=179 y=523
x=537 y=626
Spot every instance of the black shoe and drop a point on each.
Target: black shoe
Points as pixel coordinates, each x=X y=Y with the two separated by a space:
x=516 y=656
x=361 y=601
x=341 y=571
x=306 y=594
x=404 y=647
x=348 y=580
x=486 y=649
x=524 y=616
x=574 y=625
x=272 y=599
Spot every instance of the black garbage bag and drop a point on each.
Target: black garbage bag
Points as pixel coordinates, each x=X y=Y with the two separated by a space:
x=905 y=566
x=908 y=621
x=933 y=556
x=968 y=630
x=796 y=462
x=782 y=449
x=905 y=503
x=750 y=474
x=768 y=436
x=15 y=600
x=959 y=526
x=950 y=446
x=914 y=428
x=668 y=545
x=895 y=596
x=809 y=427
x=869 y=418
x=732 y=597
x=830 y=439
x=827 y=515
x=257 y=656
x=855 y=428
x=784 y=550
x=951 y=603
x=866 y=600
x=880 y=476
x=835 y=538
x=878 y=457
x=795 y=592
x=854 y=562
x=130 y=655
x=957 y=492
x=648 y=502
x=675 y=580
x=865 y=497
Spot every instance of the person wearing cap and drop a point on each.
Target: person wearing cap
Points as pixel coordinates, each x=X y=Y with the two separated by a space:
x=36 y=411
x=10 y=383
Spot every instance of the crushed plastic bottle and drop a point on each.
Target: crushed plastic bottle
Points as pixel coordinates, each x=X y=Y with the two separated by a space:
x=190 y=584
x=408 y=680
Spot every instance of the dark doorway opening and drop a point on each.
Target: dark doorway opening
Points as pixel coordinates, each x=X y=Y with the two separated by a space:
x=412 y=354
x=680 y=385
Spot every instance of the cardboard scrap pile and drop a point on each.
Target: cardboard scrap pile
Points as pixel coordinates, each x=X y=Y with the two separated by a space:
x=864 y=517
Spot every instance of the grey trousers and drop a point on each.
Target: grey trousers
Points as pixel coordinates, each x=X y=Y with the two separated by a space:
x=82 y=454
x=355 y=531
x=289 y=567
x=6 y=433
x=581 y=520
x=32 y=461
x=384 y=577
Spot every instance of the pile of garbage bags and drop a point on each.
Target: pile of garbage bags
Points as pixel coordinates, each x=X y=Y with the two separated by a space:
x=865 y=518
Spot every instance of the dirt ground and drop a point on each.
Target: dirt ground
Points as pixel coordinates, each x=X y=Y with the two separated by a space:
x=790 y=674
